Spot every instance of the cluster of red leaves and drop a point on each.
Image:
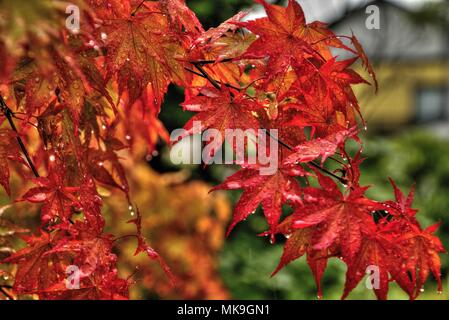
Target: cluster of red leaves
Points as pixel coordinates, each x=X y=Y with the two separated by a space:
x=94 y=91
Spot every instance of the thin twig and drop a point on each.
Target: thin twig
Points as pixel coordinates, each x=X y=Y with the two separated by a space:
x=207 y=76
x=137 y=8
x=9 y=116
x=203 y=62
x=6 y=293
x=219 y=82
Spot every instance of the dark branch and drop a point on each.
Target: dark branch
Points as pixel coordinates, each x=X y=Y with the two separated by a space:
x=207 y=76
x=219 y=82
x=9 y=116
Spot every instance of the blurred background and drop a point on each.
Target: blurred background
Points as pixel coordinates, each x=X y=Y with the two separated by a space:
x=407 y=139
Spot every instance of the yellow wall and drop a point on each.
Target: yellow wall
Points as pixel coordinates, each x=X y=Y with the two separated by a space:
x=394 y=103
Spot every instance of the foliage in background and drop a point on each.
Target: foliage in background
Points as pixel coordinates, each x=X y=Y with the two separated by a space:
x=188 y=229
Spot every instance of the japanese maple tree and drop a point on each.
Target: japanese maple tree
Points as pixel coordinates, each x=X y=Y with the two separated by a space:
x=76 y=101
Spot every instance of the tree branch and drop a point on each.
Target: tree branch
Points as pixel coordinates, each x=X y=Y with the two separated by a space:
x=207 y=76
x=5 y=292
x=9 y=116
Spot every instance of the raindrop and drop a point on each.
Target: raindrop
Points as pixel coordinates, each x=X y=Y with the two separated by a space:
x=91 y=43
x=100 y=163
x=421 y=290
x=52 y=158
x=130 y=208
x=104 y=36
x=439 y=292
x=128 y=137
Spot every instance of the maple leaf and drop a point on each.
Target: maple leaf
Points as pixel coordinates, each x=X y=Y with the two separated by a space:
x=319 y=147
x=321 y=114
x=271 y=191
x=402 y=206
x=376 y=251
x=285 y=37
x=38 y=270
x=39 y=85
x=420 y=248
x=9 y=150
x=92 y=256
x=221 y=110
x=421 y=257
x=58 y=199
x=365 y=60
x=213 y=34
x=142 y=121
x=330 y=80
x=142 y=51
x=298 y=243
x=181 y=16
x=341 y=219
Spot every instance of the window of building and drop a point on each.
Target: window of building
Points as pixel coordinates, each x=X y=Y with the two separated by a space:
x=431 y=104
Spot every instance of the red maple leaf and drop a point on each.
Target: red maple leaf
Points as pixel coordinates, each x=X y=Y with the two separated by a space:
x=57 y=198
x=319 y=147
x=9 y=150
x=271 y=191
x=285 y=37
x=341 y=219
x=143 y=51
x=222 y=110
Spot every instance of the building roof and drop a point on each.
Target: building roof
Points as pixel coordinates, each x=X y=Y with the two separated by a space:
x=399 y=36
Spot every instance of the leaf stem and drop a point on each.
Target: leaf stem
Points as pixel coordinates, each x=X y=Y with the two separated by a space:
x=219 y=82
x=6 y=293
x=137 y=8
x=9 y=116
x=207 y=76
